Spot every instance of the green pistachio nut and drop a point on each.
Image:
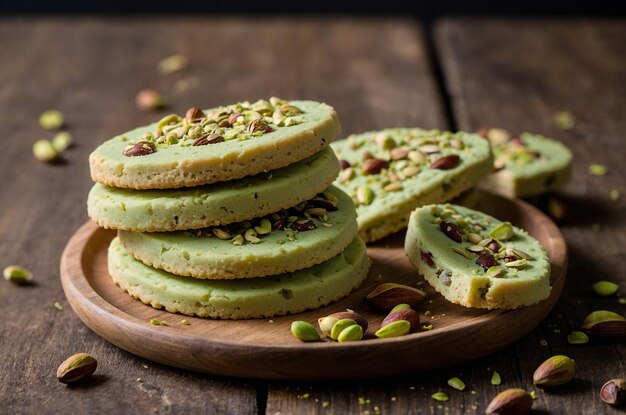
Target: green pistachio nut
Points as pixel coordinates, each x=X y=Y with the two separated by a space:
x=340 y=326
x=456 y=383
x=51 y=120
x=17 y=275
x=605 y=288
x=62 y=141
x=304 y=331
x=264 y=227
x=43 y=150
x=502 y=232
x=395 y=329
x=350 y=334
x=365 y=195
x=400 y=307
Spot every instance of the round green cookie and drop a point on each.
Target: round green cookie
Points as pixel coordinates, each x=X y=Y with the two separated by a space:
x=221 y=144
x=475 y=260
x=244 y=298
x=527 y=165
x=251 y=252
x=215 y=204
x=391 y=172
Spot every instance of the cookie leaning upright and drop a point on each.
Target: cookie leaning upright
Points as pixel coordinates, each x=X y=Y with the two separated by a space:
x=389 y=173
x=475 y=260
x=218 y=144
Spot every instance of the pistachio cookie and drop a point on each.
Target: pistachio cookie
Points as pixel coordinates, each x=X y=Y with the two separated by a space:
x=295 y=238
x=215 y=204
x=215 y=145
x=475 y=260
x=242 y=298
x=389 y=173
x=527 y=165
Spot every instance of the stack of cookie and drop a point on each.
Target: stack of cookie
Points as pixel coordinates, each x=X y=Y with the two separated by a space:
x=229 y=212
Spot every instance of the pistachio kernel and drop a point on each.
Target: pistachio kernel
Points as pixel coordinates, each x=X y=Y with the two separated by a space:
x=149 y=99
x=577 y=337
x=17 y=275
x=43 y=150
x=340 y=326
x=172 y=64
x=304 y=331
x=495 y=378
x=51 y=120
x=395 y=329
x=76 y=368
x=456 y=383
x=365 y=195
x=605 y=288
x=502 y=232
x=62 y=141
x=350 y=333
x=440 y=396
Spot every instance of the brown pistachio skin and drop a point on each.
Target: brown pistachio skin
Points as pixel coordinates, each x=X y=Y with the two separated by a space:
x=446 y=162
x=604 y=324
x=386 y=296
x=511 y=402
x=613 y=392
x=193 y=113
x=409 y=315
x=555 y=371
x=140 y=148
x=76 y=368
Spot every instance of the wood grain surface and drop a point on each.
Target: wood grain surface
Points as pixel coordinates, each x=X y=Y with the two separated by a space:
x=377 y=73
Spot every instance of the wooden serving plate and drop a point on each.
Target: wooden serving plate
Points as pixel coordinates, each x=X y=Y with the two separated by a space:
x=265 y=348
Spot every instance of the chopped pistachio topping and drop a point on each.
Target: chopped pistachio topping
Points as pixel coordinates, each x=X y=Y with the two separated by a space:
x=510 y=150
x=241 y=121
x=303 y=217
x=482 y=241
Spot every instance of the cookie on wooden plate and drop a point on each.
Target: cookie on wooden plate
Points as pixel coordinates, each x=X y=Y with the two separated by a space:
x=389 y=173
x=215 y=145
x=295 y=238
x=526 y=165
x=214 y=204
x=475 y=260
x=242 y=298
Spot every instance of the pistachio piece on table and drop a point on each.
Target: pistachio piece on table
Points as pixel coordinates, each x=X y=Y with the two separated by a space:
x=62 y=141
x=577 y=337
x=51 y=120
x=388 y=295
x=555 y=371
x=409 y=315
x=149 y=99
x=613 y=392
x=440 y=396
x=511 y=402
x=456 y=383
x=605 y=288
x=17 y=275
x=304 y=331
x=174 y=63
x=43 y=150
x=604 y=324
x=76 y=368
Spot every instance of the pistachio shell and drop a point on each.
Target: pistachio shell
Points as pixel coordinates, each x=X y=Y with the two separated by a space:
x=555 y=371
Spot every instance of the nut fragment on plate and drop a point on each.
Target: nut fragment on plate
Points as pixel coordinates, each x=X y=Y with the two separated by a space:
x=17 y=275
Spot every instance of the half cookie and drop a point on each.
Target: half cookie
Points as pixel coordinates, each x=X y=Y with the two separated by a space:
x=299 y=237
x=214 y=145
x=241 y=299
x=527 y=165
x=391 y=172
x=475 y=260
x=215 y=204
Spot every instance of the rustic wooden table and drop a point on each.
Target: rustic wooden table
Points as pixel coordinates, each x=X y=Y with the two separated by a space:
x=460 y=74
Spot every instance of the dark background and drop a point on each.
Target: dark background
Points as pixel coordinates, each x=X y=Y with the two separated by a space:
x=426 y=8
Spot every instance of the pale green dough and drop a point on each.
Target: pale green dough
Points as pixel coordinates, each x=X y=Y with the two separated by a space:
x=551 y=171
x=389 y=210
x=460 y=279
x=244 y=298
x=174 y=166
x=183 y=253
x=215 y=204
